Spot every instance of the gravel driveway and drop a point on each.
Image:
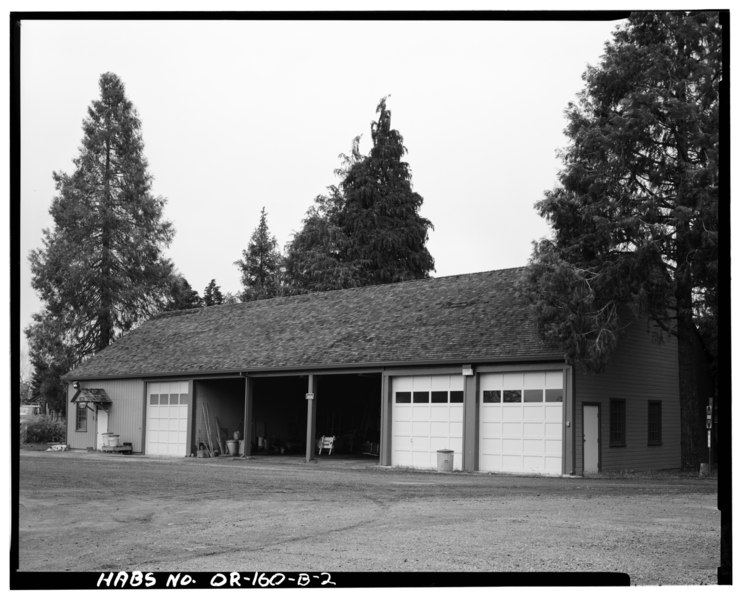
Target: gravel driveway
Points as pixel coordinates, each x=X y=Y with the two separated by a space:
x=92 y=512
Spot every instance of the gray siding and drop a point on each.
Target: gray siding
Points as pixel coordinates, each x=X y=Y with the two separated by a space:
x=126 y=416
x=79 y=439
x=640 y=370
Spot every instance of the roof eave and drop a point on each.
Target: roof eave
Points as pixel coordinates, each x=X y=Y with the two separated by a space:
x=314 y=368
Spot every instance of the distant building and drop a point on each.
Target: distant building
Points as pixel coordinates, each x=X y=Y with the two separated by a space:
x=28 y=411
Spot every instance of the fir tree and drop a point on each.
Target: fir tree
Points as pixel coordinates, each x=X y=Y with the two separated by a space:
x=635 y=218
x=212 y=294
x=381 y=211
x=368 y=230
x=261 y=264
x=100 y=270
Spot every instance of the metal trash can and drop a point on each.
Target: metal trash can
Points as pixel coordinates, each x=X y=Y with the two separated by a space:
x=445 y=460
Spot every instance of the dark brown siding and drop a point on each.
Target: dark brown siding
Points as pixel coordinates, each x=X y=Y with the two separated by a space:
x=640 y=370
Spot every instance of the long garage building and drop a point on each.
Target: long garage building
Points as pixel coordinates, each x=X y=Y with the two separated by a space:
x=392 y=372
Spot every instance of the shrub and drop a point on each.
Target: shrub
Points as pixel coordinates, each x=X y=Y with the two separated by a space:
x=44 y=429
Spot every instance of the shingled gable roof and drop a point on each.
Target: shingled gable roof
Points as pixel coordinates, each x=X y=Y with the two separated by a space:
x=462 y=318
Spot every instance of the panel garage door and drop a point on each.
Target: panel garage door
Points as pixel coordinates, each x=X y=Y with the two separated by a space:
x=167 y=418
x=426 y=417
x=521 y=422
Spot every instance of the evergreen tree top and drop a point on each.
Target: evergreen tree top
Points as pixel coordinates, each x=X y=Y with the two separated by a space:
x=368 y=229
x=101 y=269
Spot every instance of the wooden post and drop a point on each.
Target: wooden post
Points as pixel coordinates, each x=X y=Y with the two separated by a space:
x=385 y=443
x=470 y=425
x=311 y=397
x=248 y=417
x=569 y=432
x=191 y=447
x=143 y=438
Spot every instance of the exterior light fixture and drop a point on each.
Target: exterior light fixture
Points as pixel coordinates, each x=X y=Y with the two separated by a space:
x=467 y=371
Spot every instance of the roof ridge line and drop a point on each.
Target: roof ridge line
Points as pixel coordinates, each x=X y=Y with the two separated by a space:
x=318 y=293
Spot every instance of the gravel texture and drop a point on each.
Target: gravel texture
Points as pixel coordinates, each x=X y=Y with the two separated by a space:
x=93 y=512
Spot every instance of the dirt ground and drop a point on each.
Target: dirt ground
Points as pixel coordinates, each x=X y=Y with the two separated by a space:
x=91 y=512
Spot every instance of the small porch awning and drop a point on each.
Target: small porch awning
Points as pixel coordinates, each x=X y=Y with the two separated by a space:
x=94 y=396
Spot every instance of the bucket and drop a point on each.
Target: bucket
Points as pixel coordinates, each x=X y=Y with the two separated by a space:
x=111 y=439
x=445 y=460
x=232 y=446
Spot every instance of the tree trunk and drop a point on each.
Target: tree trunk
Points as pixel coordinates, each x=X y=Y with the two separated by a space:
x=691 y=396
x=692 y=401
x=105 y=316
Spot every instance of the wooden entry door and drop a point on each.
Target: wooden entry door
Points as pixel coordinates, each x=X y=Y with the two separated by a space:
x=591 y=428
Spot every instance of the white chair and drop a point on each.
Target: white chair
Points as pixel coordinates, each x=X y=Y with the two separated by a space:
x=326 y=442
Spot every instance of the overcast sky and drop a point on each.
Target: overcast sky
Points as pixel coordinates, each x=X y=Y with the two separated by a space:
x=237 y=115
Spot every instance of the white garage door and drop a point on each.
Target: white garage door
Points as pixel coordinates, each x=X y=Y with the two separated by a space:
x=521 y=422
x=426 y=417
x=167 y=418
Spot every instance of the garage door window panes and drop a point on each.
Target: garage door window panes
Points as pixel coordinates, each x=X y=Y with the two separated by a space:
x=491 y=396
x=511 y=395
x=553 y=395
x=420 y=397
x=533 y=395
x=435 y=397
x=439 y=397
x=402 y=397
x=521 y=422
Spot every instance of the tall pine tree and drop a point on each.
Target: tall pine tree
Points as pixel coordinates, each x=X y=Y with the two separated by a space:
x=635 y=217
x=261 y=264
x=213 y=294
x=100 y=270
x=368 y=230
x=381 y=211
